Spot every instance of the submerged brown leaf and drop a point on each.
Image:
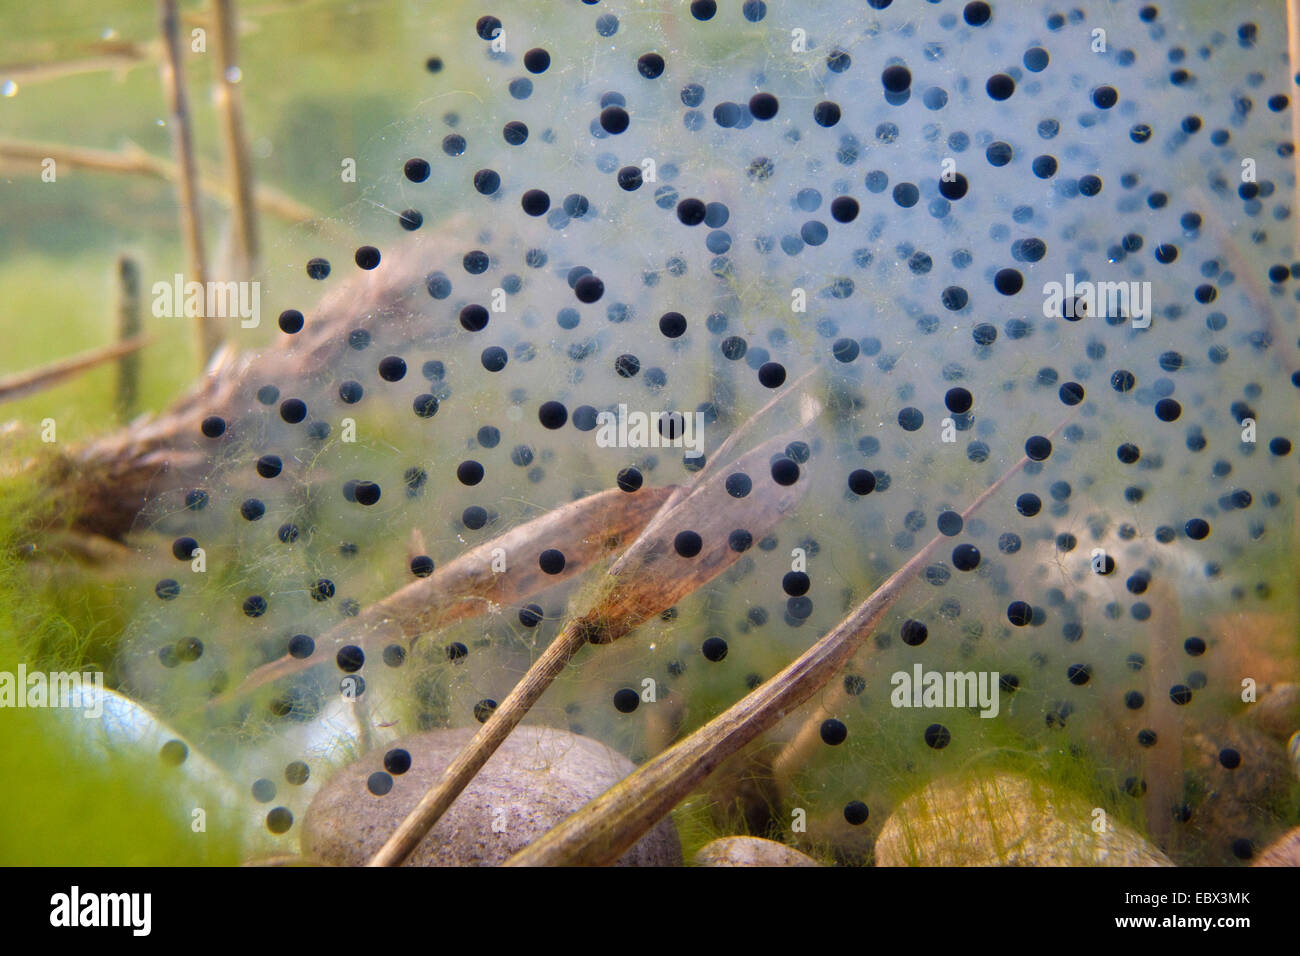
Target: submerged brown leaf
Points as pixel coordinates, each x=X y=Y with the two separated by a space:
x=651 y=576
x=105 y=482
x=600 y=831
x=648 y=578
x=585 y=530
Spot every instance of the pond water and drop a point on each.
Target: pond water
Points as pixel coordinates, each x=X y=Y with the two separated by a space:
x=1005 y=285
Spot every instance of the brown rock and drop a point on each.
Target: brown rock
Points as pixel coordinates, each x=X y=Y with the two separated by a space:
x=1277 y=712
x=750 y=851
x=1229 y=804
x=537 y=778
x=286 y=861
x=1284 y=852
x=1005 y=820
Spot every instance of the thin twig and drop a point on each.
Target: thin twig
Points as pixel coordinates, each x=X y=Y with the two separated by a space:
x=415 y=546
x=118 y=56
x=207 y=333
x=234 y=138
x=37 y=379
x=795 y=752
x=644 y=581
x=604 y=829
x=128 y=329
x=133 y=160
x=485 y=743
x=721 y=454
x=585 y=530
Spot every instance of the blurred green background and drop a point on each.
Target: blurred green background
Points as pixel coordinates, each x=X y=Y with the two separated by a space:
x=320 y=80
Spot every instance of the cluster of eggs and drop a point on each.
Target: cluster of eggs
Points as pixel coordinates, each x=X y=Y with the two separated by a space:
x=977 y=233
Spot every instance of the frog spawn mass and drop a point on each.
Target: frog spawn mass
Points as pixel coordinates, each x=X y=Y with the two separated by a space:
x=687 y=211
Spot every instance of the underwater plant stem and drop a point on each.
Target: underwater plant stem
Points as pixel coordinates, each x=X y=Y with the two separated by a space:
x=234 y=137
x=365 y=729
x=796 y=752
x=474 y=755
x=133 y=160
x=606 y=827
x=117 y=56
x=603 y=829
x=128 y=328
x=587 y=529
x=729 y=442
x=641 y=585
x=206 y=332
x=34 y=380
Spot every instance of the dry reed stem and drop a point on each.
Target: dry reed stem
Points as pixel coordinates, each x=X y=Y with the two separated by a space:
x=585 y=530
x=116 y=55
x=128 y=328
x=602 y=830
x=35 y=380
x=234 y=137
x=207 y=332
x=646 y=579
x=132 y=160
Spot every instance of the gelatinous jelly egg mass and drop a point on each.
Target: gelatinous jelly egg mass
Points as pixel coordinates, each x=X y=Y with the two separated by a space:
x=984 y=232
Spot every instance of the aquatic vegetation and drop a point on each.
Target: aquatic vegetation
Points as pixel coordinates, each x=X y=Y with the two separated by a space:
x=666 y=342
